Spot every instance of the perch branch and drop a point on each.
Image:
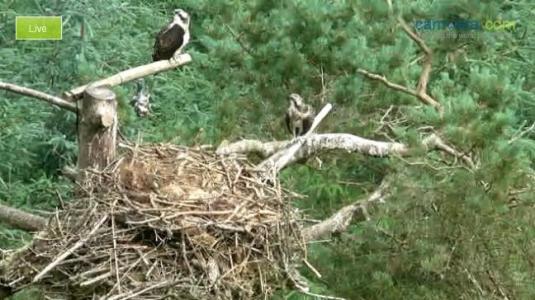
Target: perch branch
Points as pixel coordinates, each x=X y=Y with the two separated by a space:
x=255 y=146
x=57 y=101
x=132 y=74
x=421 y=89
x=317 y=143
x=341 y=219
x=435 y=142
x=70 y=251
x=21 y=219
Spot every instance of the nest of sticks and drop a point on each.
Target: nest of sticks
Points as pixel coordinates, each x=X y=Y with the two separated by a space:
x=165 y=221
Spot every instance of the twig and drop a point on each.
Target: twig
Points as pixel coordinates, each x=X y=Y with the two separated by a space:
x=132 y=74
x=237 y=37
x=311 y=267
x=96 y=279
x=130 y=295
x=520 y=134
x=70 y=251
x=114 y=237
x=474 y=281
x=57 y=101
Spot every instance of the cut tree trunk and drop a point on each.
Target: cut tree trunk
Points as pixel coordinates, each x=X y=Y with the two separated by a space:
x=97 y=128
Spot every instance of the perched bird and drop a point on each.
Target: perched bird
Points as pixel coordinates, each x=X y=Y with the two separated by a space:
x=299 y=116
x=173 y=37
x=141 y=98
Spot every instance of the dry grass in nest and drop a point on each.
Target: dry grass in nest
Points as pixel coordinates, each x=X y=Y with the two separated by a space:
x=166 y=220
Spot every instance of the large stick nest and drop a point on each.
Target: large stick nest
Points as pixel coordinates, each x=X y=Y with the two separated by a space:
x=165 y=220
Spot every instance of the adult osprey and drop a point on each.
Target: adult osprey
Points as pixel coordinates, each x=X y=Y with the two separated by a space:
x=173 y=37
x=299 y=116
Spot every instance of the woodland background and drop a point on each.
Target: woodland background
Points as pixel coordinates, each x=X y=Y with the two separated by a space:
x=446 y=232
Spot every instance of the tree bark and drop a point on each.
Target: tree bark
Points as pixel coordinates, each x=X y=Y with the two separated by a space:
x=21 y=219
x=97 y=128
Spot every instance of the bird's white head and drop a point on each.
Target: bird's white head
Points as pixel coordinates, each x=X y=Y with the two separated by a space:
x=181 y=17
x=296 y=100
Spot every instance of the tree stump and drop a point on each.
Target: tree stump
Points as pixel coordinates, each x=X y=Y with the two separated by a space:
x=97 y=128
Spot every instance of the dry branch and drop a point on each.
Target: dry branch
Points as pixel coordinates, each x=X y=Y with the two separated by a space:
x=70 y=251
x=264 y=149
x=421 y=89
x=57 y=101
x=341 y=219
x=21 y=219
x=435 y=142
x=317 y=143
x=132 y=74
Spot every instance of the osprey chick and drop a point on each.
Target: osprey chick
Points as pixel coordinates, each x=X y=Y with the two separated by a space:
x=141 y=99
x=299 y=116
x=173 y=37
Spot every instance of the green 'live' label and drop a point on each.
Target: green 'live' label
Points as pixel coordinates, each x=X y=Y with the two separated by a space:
x=38 y=28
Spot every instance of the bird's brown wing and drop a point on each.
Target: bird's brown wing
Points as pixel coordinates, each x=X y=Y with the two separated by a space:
x=307 y=123
x=288 y=122
x=168 y=40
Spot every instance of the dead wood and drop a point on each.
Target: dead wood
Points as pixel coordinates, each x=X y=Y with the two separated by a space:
x=131 y=74
x=21 y=219
x=340 y=220
x=97 y=129
x=57 y=101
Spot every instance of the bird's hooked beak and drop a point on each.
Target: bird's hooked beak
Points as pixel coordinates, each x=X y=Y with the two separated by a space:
x=182 y=16
x=296 y=100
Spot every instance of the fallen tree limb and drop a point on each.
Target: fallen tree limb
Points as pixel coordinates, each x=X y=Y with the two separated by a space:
x=57 y=101
x=317 y=143
x=132 y=74
x=21 y=219
x=339 y=221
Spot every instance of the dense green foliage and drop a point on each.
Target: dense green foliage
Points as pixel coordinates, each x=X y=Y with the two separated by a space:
x=447 y=232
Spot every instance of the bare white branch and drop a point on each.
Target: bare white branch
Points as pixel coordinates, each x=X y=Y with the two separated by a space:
x=132 y=74
x=339 y=221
